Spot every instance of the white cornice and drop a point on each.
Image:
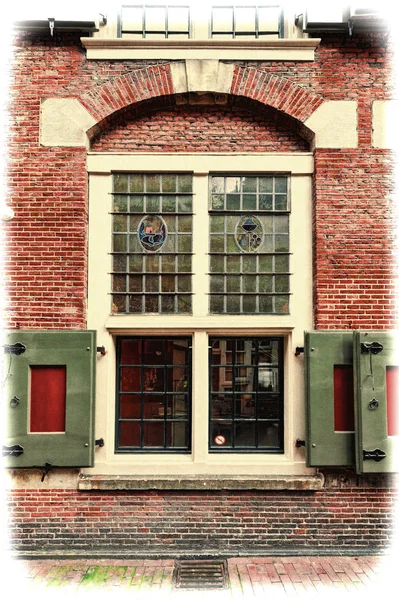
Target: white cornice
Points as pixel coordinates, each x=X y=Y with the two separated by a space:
x=300 y=49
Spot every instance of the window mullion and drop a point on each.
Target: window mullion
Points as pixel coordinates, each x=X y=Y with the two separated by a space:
x=200 y=244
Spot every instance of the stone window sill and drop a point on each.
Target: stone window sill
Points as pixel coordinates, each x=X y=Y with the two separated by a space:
x=301 y=49
x=200 y=482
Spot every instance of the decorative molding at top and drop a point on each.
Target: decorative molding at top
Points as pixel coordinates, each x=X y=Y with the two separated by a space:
x=299 y=49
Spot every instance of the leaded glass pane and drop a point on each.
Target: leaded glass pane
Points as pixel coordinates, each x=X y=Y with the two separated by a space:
x=135 y=264
x=137 y=204
x=118 y=303
x=135 y=304
x=121 y=183
x=151 y=304
x=233 y=264
x=184 y=264
x=152 y=263
x=120 y=204
x=119 y=263
x=217 y=283
x=153 y=183
x=184 y=184
x=232 y=304
x=136 y=183
x=167 y=304
x=154 y=237
x=135 y=283
x=184 y=304
x=248 y=237
x=169 y=183
x=233 y=284
x=119 y=283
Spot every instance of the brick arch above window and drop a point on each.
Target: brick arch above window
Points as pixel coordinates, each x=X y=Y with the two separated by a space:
x=197 y=78
x=77 y=121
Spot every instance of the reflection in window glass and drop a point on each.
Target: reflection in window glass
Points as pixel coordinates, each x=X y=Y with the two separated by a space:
x=153 y=397
x=246 y=394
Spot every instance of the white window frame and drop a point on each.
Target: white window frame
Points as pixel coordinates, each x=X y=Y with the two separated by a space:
x=200 y=325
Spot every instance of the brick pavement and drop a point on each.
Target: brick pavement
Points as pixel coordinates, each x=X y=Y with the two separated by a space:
x=250 y=577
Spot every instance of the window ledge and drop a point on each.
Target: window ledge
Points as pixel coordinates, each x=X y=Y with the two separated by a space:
x=195 y=482
x=301 y=49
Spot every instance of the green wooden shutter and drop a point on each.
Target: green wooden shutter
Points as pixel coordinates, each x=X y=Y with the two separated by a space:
x=31 y=389
x=326 y=354
x=376 y=401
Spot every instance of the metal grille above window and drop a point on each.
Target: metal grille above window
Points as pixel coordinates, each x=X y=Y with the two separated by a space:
x=140 y=21
x=250 y=22
x=249 y=244
x=152 y=243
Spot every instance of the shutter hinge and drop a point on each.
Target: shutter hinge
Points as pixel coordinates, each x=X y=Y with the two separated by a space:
x=299 y=350
x=376 y=455
x=17 y=348
x=372 y=347
x=101 y=350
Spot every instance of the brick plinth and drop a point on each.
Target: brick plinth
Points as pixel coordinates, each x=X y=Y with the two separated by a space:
x=168 y=522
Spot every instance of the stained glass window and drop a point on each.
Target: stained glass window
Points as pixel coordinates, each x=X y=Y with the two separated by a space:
x=249 y=244
x=152 y=243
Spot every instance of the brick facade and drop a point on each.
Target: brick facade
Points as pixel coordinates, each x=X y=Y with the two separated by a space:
x=354 y=261
x=344 y=517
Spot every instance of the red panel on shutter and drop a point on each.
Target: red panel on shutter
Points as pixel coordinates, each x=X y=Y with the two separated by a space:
x=344 y=417
x=47 y=399
x=392 y=388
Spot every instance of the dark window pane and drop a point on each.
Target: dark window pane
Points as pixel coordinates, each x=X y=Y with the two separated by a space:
x=153 y=435
x=244 y=434
x=130 y=379
x=129 y=434
x=130 y=352
x=246 y=402
x=130 y=406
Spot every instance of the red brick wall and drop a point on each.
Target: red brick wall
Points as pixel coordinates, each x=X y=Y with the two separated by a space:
x=353 y=518
x=47 y=241
x=47 y=278
x=201 y=129
x=354 y=240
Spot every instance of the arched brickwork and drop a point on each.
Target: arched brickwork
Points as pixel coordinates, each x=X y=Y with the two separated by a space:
x=156 y=81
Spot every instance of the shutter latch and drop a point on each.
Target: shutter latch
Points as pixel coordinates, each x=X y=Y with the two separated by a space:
x=376 y=455
x=47 y=468
x=16 y=450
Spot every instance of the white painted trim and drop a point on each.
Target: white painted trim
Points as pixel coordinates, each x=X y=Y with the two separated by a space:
x=200 y=324
x=300 y=49
x=385 y=124
x=300 y=163
x=335 y=124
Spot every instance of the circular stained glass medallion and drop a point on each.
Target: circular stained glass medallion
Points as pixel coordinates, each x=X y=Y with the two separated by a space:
x=249 y=233
x=152 y=233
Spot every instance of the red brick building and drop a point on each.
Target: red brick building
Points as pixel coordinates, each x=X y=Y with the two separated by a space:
x=200 y=350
